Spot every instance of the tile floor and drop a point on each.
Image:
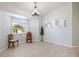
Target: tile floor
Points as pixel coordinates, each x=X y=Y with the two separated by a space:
x=40 y=49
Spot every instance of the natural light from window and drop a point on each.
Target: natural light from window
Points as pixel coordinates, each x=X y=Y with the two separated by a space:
x=19 y=25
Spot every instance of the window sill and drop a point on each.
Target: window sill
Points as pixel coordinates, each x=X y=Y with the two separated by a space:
x=19 y=33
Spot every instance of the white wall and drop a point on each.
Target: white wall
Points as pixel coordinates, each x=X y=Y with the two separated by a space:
x=75 y=24
x=5 y=29
x=34 y=28
x=59 y=35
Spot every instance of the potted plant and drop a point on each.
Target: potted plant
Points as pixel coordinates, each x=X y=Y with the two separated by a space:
x=42 y=33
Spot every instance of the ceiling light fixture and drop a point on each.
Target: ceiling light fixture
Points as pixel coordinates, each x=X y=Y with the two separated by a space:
x=35 y=12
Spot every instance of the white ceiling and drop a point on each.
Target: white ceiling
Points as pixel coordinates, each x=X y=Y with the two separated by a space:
x=43 y=7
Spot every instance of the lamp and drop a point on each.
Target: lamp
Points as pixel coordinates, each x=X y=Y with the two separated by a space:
x=35 y=12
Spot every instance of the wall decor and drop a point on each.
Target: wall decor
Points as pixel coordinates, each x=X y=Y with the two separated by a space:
x=57 y=23
x=53 y=23
x=63 y=23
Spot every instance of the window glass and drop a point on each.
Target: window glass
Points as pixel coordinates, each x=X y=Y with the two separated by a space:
x=19 y=25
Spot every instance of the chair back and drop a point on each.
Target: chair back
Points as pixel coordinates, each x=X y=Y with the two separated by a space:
x=29 y=34
x=10 y=37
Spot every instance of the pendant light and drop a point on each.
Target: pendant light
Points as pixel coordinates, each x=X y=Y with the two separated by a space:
x=35 y=12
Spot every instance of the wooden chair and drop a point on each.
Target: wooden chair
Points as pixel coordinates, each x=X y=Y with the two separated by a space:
x=29 y=37
x=12 y=41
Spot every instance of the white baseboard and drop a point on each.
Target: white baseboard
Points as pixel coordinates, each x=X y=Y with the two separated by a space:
x=37 y=40
x=59 y=43
x=75 y=46
x=3 y=49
